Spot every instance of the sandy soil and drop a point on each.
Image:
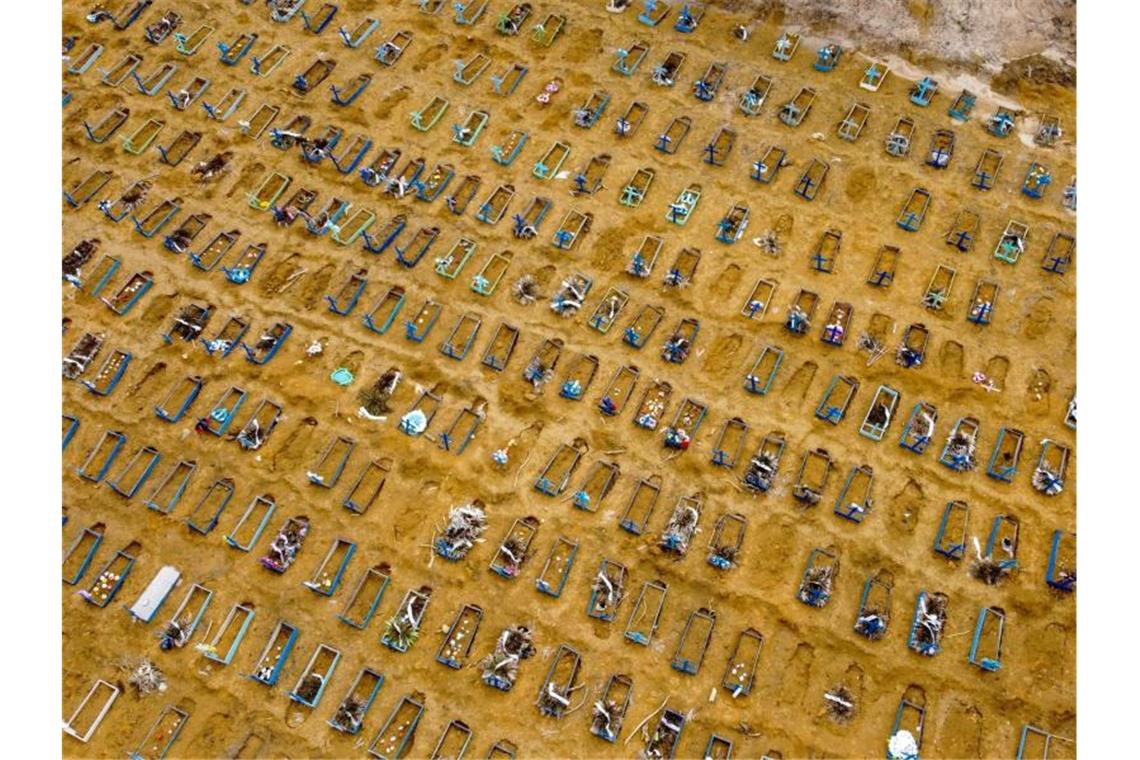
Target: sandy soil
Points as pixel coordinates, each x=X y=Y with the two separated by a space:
x=1028 y=350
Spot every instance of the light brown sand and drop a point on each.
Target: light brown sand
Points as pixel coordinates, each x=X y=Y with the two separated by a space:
x=807 y=651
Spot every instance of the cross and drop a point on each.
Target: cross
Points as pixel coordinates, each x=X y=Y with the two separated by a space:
x=710 y=151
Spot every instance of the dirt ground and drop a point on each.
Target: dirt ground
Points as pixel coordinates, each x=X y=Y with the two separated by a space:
x=1028 y=352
